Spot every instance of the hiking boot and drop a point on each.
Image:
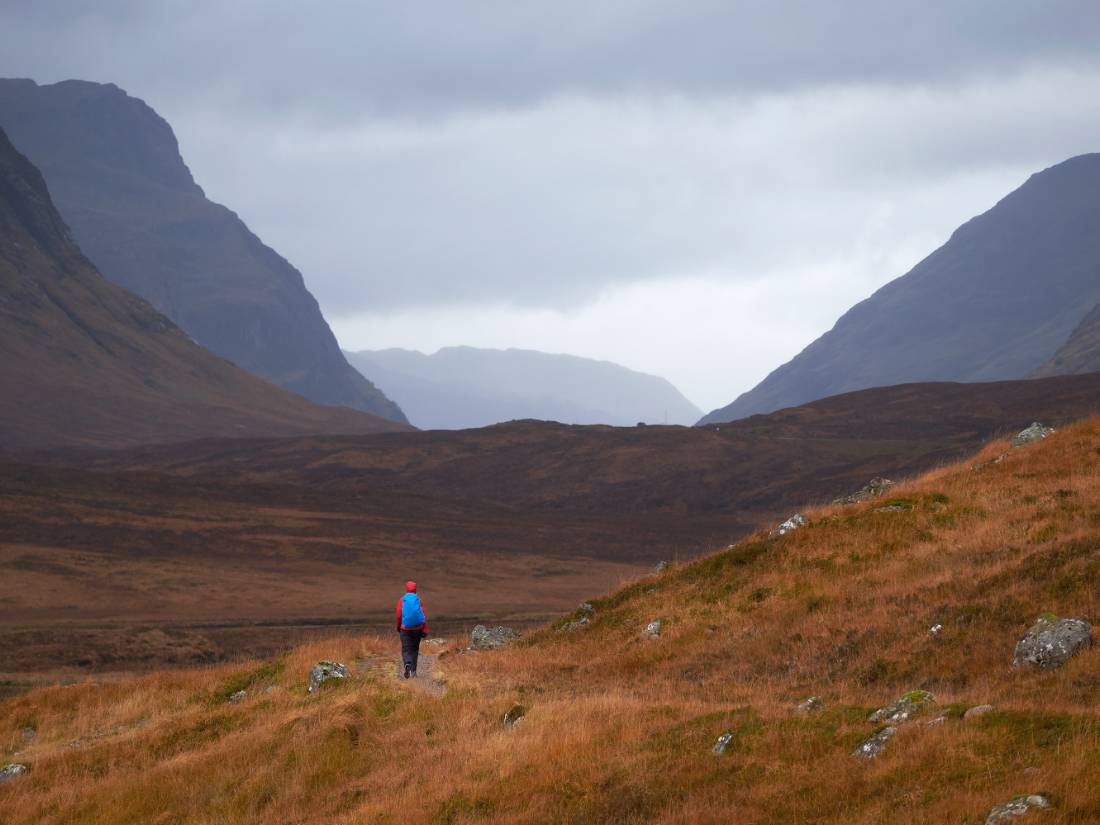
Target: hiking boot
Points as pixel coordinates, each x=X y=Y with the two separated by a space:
x=408 y=671
x=414 y=674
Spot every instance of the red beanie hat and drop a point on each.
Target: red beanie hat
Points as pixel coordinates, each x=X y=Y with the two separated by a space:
x=410 y=587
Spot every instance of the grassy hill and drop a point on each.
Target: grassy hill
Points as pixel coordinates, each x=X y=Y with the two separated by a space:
x=619 y=727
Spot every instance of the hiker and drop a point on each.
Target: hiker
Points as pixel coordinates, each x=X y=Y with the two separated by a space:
x=412 y=624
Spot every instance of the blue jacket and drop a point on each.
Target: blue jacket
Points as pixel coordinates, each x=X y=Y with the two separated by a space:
x=411 y=612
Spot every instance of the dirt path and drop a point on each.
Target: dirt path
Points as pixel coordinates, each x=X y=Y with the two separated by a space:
x=427 y=679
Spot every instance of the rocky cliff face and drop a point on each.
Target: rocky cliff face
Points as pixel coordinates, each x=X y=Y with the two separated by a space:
x=1081 y=353
x=85 y=362
x=995 y=302
x=115 y=172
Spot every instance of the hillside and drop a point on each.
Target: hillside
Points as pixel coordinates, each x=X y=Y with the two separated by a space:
x=84 y=362
x=460 y=387
x=115 y=172
x=1081 y=353
x=995 y=302
x=923 y=595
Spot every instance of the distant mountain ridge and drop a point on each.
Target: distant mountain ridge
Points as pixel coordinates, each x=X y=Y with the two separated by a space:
x=464 y=387
x=84 y=362
x=995 y=302
x=115 y=172
x=1080 y=354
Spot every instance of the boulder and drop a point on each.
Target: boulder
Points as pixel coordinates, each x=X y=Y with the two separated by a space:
x=1051 y=642
x=661 y=567
x=722 y=743
x=977 y=710
x=811 y=705
x=239 y=696
x=793 y=523
x=1015 y=808
x=486 y=638
x=935 y=630
x=581 y=622
x=11 y=771
x=325 y=671
x=875 y=744
x=904 y=708
x=1036 y=432
x=652 y=630
x=873 y=489
x=587 y=608
x=513 y=715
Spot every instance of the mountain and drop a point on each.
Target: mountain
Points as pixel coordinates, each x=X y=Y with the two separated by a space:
x=1081 y=353
x=115 y=172
x=84 y=362
x=460 y=387
x=995 y=302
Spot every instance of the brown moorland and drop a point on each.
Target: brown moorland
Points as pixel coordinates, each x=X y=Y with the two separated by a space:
x=620 y=728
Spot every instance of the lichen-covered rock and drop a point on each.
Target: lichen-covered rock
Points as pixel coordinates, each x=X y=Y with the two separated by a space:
x=491 y=638
x=581 y=622
x=239 y=696
x=324 y=671
x=652 y=630
x=11 y=771
x=873 y=489
x=1036 y=432
x=903 y=708
x=1051 y=642
x=513 y=715
x=875 y=744
x=811 y=705
x=977 y=710
x=793 y=523
x=1014 y=808
x=722 y=743
x=586 y=608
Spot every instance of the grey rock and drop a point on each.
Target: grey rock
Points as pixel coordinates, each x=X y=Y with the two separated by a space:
x=873 y=489
x=977 y=710
x=722 y=743
x=1014 y=808
x=1051 y=642
x=991 y=462
x=935 y=630
x=653 y=629
x=9 y=772
x=325 y=671
x=485 y=638
x=513 y=715
x=904 y=708
x=875 y=744
x=239 y=696
x=28 y=734
x=1036 y=432
x=435 y=641
x=811 y=705
x=793 y=523
x=587 y=608
x=661 y=567
x=581 y=622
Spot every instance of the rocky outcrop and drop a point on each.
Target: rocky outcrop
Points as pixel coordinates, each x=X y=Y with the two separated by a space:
x=722 y=744
x=903 y=708
x=1036 y=432
x=239 y=696
x=513 y=715
x=793 y=523
x=1051 y=642
x=875 y=744
x=486 y=638
x=325 y=671
x=9 y=772
x=873 y=489
x=1015 y=808
x=977 y=710
x=652 y=630
x=811 y=705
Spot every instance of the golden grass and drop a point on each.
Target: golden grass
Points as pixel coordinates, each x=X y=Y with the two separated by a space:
x=620 y=728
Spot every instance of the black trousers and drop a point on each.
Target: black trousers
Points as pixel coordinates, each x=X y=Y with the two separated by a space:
x=410 y=647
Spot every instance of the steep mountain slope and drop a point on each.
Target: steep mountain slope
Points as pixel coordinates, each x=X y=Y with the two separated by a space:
x=995 y=302
x=460 y=387
x=84 y=362
x=1081 y=353
x=116 y=175
x=702 y=721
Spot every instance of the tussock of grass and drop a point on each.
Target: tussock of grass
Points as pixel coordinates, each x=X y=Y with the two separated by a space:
x=618 y=728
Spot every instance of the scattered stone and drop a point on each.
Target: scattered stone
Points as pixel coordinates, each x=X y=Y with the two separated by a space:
x=581 y=622
x=587 y=608
x=267 y=691
x=932 y=723
x=11 y=771
x=875 y=744
x=977 y=710
x=935 y=630
x=1014 y=808
x=486 y=638
x=793 y=523
x=435 y=641
x=904 y=708
x=1036 y=432
x=722 y=743
x=324 y=671
x=1051 y=642
x=873 y=489
x=893 y=508
x=653 y=629
x=513 y=715
x=811 y=705
x=237 y=697
x=992 y=461
x=661 y=567
x=28 y=734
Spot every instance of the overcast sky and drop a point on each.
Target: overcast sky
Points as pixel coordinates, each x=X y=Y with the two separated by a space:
x=693 y=189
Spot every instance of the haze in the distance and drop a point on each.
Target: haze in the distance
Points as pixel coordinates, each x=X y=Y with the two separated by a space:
x=685 y=189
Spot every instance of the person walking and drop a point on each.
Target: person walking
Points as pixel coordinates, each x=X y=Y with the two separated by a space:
x=412 y=624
